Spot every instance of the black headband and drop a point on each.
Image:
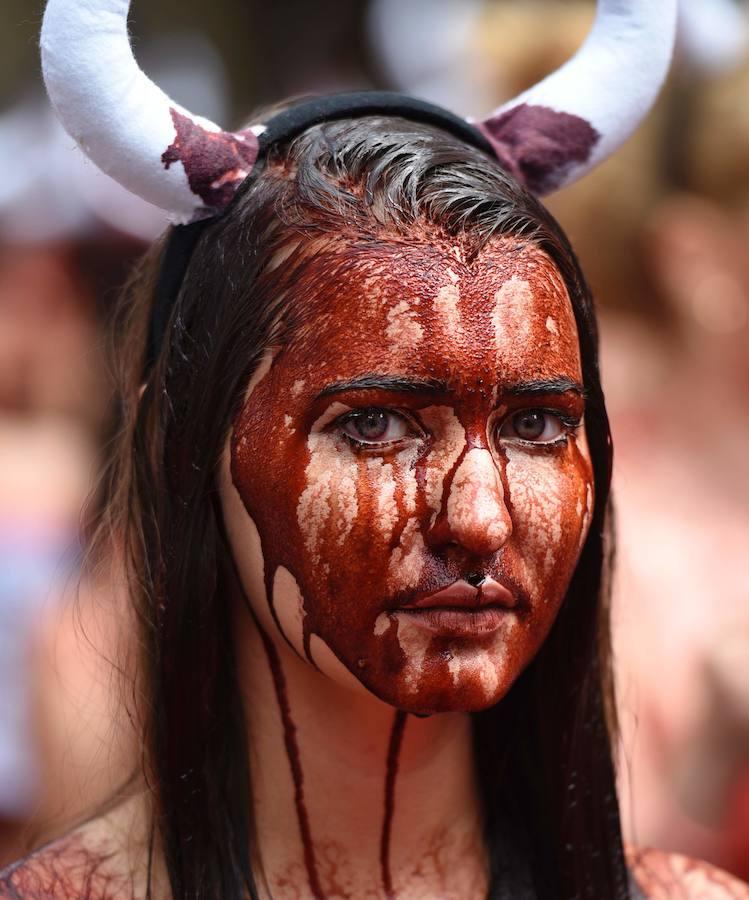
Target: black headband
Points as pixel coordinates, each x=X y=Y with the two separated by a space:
x=280 y=129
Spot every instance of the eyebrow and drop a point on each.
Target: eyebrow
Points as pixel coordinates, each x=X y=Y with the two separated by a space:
x=397 y=383
x=401 y=384
x=546 y=386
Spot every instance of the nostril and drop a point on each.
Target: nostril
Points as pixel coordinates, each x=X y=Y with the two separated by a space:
x=475 y=579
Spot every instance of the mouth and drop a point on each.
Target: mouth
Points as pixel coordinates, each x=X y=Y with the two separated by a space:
x=462 y=609
x=462 y=595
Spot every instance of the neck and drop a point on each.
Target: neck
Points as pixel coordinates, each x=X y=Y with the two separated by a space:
x=353 y=798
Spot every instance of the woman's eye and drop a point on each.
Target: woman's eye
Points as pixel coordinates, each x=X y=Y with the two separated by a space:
x=533 y=425
x=375 y=426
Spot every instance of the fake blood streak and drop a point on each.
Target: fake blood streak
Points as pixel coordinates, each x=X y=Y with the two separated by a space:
x=292 y=752
x=396 y=739
x=307 y=633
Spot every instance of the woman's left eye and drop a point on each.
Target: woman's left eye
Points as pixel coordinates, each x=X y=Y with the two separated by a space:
x=534 y=426
x=375 y=426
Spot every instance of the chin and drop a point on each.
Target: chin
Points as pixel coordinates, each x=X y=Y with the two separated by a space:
x=473 y=692
x=448 y=704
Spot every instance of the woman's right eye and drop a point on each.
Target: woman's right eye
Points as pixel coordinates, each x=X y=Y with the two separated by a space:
x=375 y=427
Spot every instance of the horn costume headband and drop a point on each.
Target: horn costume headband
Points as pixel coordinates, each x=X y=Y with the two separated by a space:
x=548 y=137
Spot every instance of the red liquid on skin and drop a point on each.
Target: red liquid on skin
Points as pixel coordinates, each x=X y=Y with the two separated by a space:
x=396 y=739
x=458 y=621
x=292 y=751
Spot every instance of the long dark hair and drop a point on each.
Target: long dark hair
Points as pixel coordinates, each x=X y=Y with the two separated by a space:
x=544 y=754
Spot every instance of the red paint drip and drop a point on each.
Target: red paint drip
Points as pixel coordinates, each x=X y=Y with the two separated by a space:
x=292 y=752
x=396 y=739
x=269 y=577
x=307 y=633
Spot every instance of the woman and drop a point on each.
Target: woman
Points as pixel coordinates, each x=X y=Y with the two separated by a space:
x=360 y=496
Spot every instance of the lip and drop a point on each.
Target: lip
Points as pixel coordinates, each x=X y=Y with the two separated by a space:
x=462 y=610
x=459 y=622
x=460 y=595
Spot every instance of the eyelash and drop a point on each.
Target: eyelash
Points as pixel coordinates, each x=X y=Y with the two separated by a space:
x=568 y=423
x=340 y=424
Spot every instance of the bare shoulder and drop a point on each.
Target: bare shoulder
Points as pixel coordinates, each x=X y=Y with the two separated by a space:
x=67 y=868
x=105 y=859
x=668 y=876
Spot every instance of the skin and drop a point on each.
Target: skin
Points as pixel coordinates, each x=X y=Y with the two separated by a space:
x=448 y=354
x=105 y=859
x=82 y=867
x=664 y=876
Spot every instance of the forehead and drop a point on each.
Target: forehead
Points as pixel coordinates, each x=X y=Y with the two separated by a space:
x=420 y=309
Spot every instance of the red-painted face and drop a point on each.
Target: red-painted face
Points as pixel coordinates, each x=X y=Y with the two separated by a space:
x=408 y=486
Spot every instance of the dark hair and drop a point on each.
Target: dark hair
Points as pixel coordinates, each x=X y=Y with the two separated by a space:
x=544 y=754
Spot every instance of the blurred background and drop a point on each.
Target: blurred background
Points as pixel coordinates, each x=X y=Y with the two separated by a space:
x=662 y=231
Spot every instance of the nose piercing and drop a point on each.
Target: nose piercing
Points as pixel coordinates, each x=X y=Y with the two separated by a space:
x=475 y=579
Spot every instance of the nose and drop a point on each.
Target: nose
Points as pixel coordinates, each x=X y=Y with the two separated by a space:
x=474 y=514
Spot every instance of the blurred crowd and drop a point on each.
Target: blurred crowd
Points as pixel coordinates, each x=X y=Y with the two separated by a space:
x=662 y=231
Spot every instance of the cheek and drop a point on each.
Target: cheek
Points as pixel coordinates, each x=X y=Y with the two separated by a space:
x=245 y=542
x=443 y=456
x=328 y=507
x=354 y=508
x=356 y=518
x=551 y=500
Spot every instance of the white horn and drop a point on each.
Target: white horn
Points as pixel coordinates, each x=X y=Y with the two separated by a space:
x=712 y=35
x=554 y=133
x=126 y=124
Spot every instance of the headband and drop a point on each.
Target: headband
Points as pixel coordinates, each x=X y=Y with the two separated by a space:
x=548 y=137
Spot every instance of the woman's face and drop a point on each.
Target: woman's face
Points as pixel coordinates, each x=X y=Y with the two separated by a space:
x=408 y=486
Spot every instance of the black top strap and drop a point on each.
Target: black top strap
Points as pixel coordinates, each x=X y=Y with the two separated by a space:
x=291 y=122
